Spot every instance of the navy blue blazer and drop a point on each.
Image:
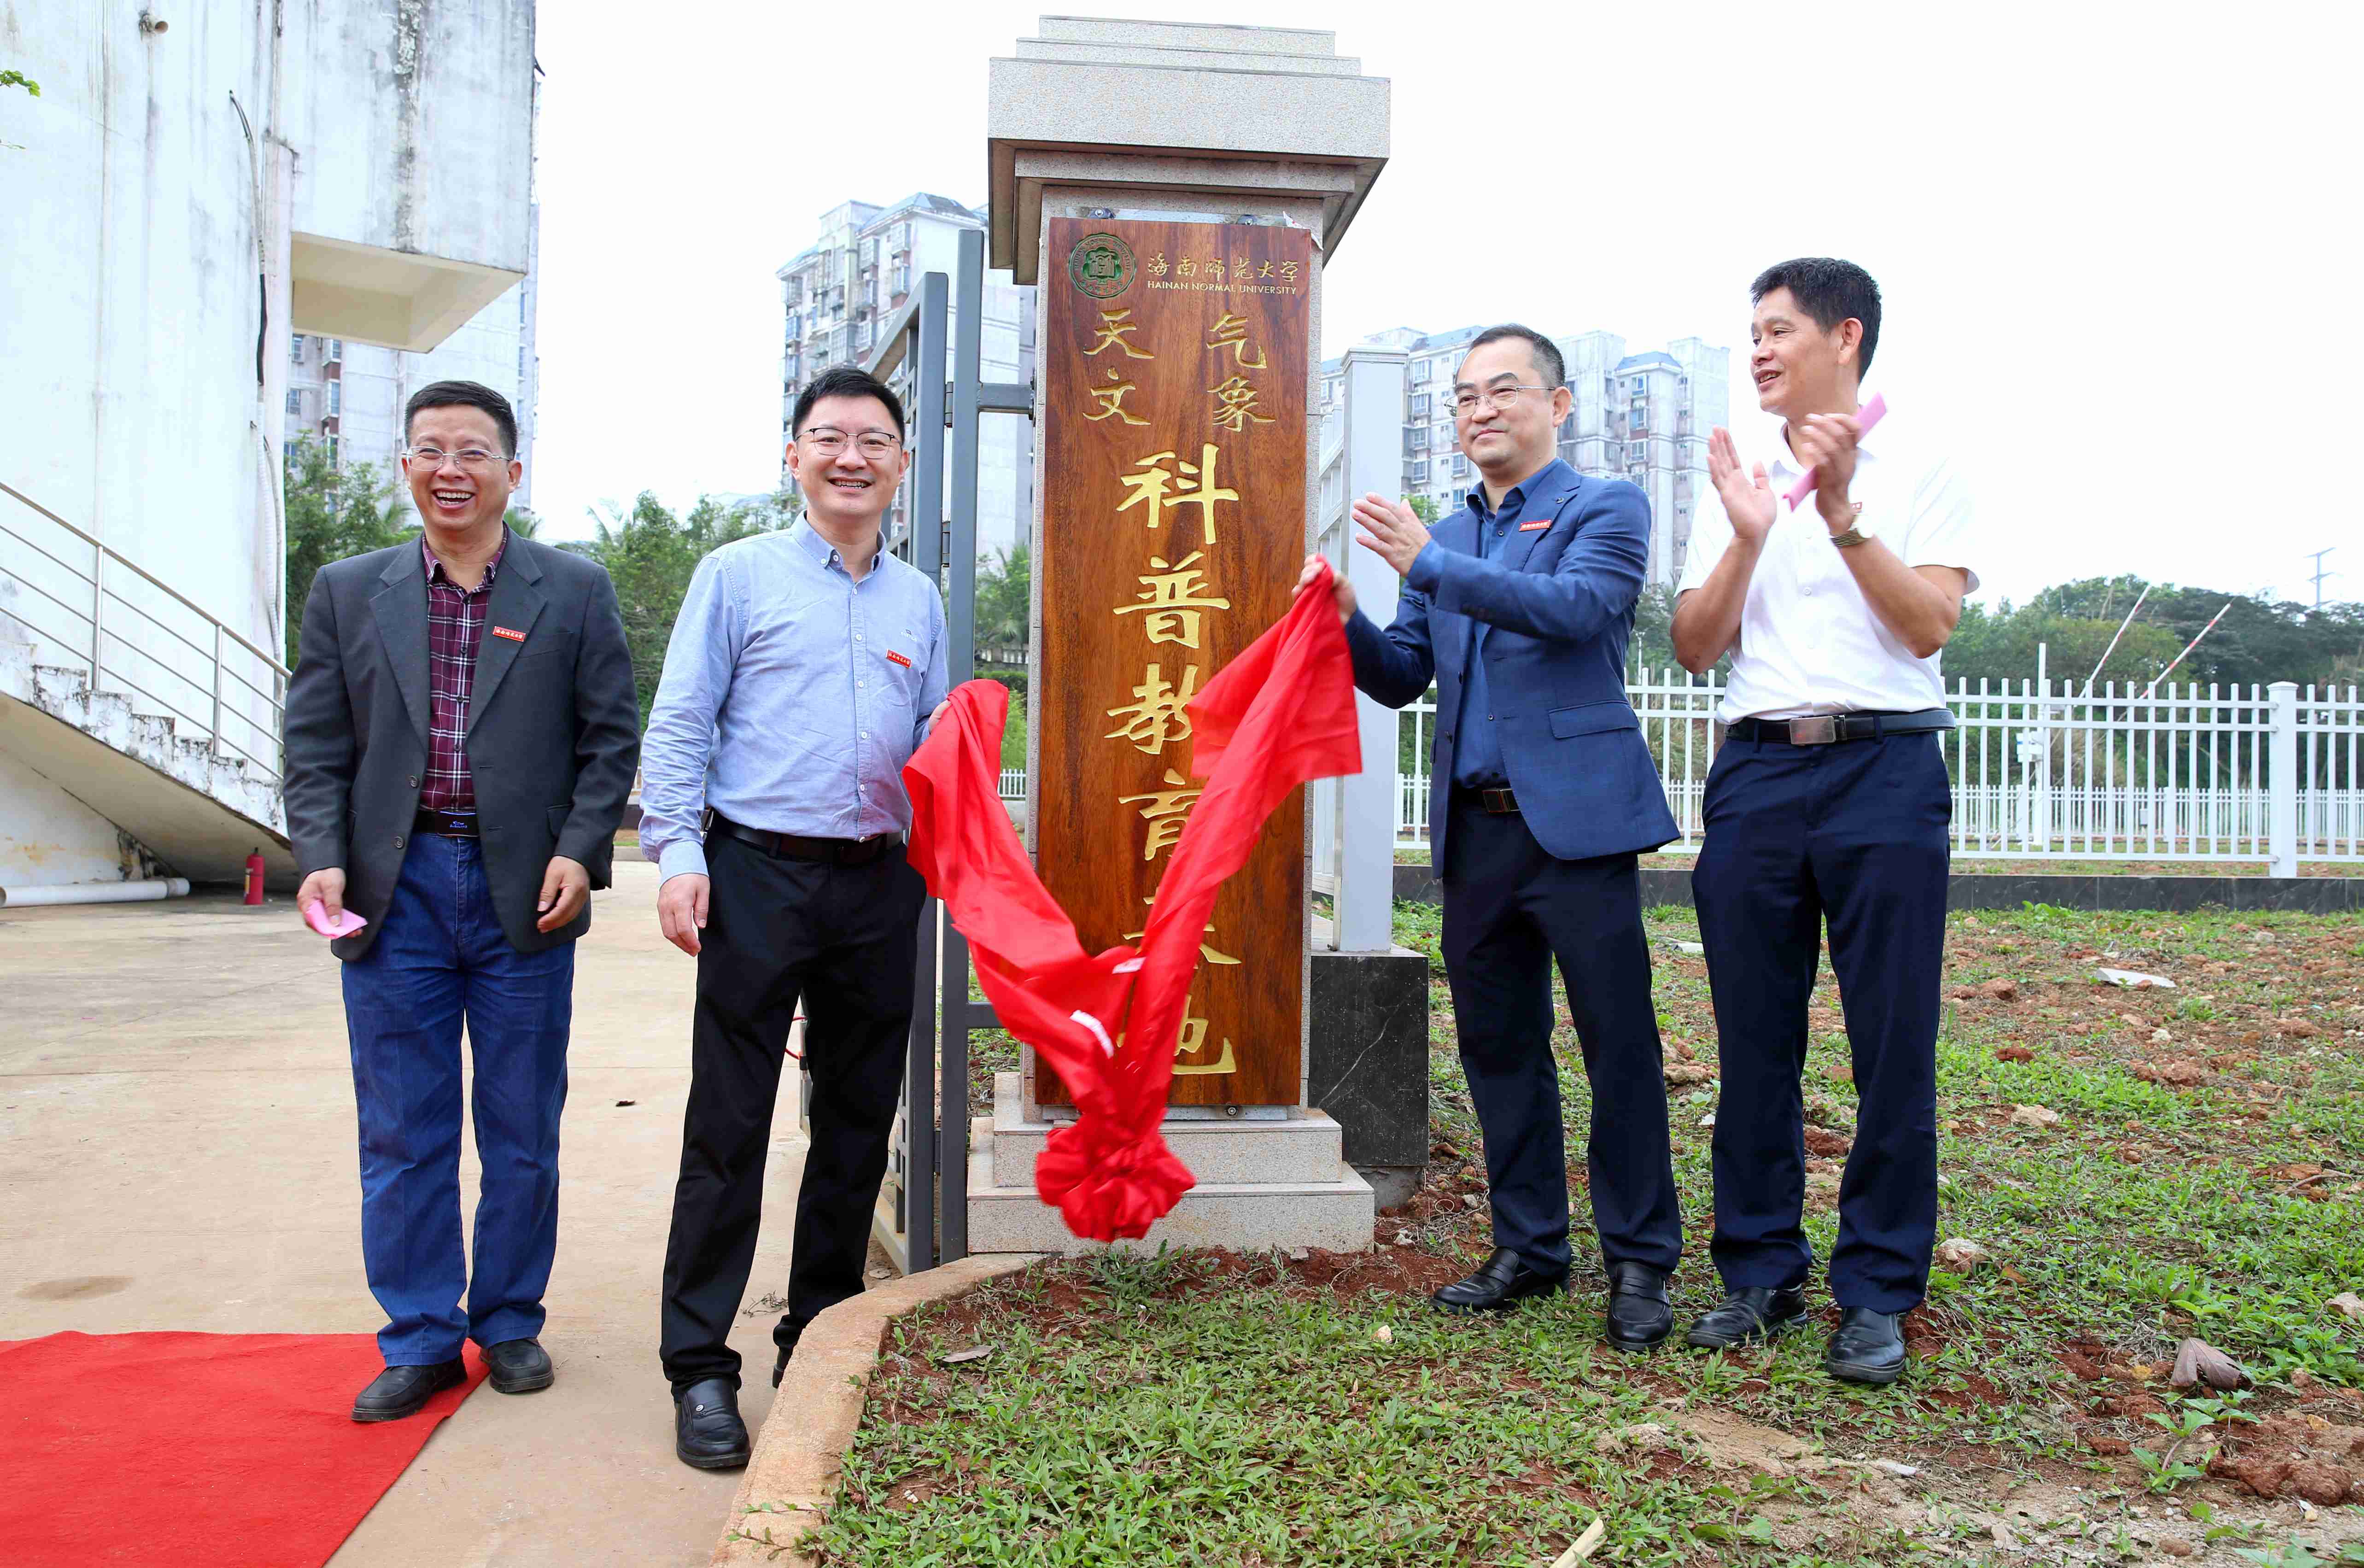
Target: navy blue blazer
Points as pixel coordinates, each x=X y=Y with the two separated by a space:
x=1551 y=614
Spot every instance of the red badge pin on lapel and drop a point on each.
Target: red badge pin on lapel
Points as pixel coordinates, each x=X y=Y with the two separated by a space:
x=895 y=658
x=1536 y=527
x=512 y=635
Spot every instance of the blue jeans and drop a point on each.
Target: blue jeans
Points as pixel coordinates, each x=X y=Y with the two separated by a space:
x=441 y=961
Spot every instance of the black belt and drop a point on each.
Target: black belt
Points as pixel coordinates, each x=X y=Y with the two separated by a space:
x=1492 y=798
x=1822 y=728
x=795 y=847
x=450 y=823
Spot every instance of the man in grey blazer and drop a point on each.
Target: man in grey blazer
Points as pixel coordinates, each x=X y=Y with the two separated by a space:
x=461 y=735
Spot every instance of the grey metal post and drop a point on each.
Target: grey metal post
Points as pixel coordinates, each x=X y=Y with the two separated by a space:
x=218 y=685
x=927 y=555
x=1373 y=461
x=97 y=607
x=2282 y=780
x=968 y=359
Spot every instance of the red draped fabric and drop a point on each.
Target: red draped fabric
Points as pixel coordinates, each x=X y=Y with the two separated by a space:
x=1278 y=716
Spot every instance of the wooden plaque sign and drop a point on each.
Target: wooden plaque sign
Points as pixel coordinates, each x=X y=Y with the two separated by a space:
x=1175 y=359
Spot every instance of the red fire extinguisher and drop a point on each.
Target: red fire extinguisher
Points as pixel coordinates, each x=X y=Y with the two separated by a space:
x=254 y=876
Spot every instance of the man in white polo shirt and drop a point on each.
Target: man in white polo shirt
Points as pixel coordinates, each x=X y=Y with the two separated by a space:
x=1828 y=800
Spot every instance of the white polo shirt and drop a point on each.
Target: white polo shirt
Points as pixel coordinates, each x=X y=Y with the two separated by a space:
x=1808 y=640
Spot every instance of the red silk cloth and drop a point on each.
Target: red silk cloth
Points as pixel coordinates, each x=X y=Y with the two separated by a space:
x=1278 y=716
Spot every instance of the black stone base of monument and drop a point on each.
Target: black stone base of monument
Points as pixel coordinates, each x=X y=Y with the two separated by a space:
x=1392 y=1186
x=1979 y=889
x=1366 y=1062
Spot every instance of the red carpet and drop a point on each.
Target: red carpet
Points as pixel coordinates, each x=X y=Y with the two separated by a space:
x=232 y=1451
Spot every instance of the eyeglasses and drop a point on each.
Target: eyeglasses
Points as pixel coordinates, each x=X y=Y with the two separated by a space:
x=475 y=457
x=871 y=444
x=1501 y=397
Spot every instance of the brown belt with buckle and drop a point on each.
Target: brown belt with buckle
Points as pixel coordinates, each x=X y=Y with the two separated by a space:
x=1824 y=728
x=450 y=823
x=795 y=847
x=1493 y=800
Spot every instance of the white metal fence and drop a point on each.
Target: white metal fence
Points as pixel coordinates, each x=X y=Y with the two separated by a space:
x=2043 y=770
x=2040 y=770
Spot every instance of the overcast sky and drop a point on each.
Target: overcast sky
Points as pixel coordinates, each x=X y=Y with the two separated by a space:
x=2106 y=237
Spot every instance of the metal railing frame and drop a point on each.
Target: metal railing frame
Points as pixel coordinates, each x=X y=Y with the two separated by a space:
x=951 y=397
x=217 y=669
x=2042 y=771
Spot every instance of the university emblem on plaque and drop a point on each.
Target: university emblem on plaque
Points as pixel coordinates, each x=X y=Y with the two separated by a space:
x=1101 y=266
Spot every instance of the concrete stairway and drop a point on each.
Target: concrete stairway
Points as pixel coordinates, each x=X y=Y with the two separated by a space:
x=1281 y=1181
x=194 y=809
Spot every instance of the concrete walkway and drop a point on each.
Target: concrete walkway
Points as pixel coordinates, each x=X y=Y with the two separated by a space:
x=177 y=1151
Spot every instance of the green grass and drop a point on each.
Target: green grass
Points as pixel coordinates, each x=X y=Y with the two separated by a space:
x=1197 y=1409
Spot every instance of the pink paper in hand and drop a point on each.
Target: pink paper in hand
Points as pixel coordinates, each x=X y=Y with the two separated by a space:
x=316 y=916
x=1867 y=415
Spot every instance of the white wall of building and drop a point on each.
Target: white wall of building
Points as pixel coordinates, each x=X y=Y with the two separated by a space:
x=176 y=201
x=130 y=290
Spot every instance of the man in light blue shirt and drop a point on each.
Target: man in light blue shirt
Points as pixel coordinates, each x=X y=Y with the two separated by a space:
x=804 y=670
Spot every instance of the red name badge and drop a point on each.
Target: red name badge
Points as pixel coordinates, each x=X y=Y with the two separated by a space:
x=1536 y=527
x=512 y=635
x=895 y=658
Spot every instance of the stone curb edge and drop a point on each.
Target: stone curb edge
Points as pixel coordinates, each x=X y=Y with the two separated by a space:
x=792 y=1477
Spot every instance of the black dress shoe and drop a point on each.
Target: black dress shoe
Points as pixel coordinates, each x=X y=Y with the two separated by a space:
x=1639 y=1314
x=1500 y=1281
x=400 y=1391
x=1867 y=1346
x=519 y=1366
x=707 y=1431
x=1747 y=1316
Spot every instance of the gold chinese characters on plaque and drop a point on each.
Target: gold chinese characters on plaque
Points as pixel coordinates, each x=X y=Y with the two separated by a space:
x=1175 y=363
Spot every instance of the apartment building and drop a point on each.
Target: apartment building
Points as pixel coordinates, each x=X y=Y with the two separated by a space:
x=837 y=295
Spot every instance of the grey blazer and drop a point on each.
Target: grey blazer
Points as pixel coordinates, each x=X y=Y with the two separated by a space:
x=553 y=739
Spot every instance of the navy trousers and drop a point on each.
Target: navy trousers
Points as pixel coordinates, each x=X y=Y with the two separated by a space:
x=1854 y=833
x=440 y=962
x=1511 y=910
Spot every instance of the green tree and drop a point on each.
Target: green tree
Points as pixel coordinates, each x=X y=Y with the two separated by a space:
x=18 y=78
x=2257 y=642
x=1005 y=590
x=650 y=554
x=1424 y=508
x=331 y=515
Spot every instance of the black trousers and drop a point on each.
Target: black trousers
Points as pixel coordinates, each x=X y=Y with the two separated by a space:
x=1854 y=833
x=845 y=939
x=1511 y=910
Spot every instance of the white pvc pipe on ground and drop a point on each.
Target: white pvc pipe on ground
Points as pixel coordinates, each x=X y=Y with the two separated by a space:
x=96 y=893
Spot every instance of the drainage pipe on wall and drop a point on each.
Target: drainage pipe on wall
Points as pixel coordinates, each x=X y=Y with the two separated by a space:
x=96 y=893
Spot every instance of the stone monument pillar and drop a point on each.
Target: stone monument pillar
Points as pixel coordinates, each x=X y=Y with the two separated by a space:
x=1174 y=190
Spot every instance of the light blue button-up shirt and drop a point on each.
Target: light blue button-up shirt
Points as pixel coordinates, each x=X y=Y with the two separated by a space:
x=791 y=696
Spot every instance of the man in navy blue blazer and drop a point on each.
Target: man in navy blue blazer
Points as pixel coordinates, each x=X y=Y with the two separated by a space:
x=1519 y=606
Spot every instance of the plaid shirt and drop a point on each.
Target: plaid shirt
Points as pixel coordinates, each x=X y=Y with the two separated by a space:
x=455 y=626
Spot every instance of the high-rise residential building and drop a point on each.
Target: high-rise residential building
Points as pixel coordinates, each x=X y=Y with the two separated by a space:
x=1642 y=416
x=838 y=294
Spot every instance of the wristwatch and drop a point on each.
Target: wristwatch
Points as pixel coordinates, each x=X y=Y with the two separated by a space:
x=1856 y=533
